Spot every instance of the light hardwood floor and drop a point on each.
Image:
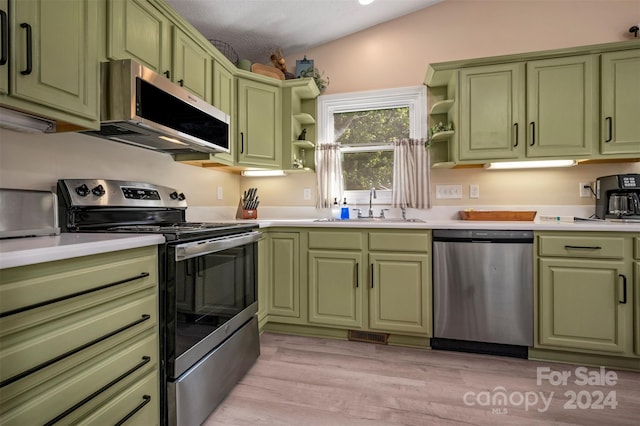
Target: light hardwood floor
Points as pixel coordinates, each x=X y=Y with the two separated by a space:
x=312 y=381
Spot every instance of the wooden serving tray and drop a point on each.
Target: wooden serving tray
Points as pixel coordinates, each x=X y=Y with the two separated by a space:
x=497 y=215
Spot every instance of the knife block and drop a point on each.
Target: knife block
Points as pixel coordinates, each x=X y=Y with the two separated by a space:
x=246 y=213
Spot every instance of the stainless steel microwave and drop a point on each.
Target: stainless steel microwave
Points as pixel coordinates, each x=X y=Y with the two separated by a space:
x=143 y=108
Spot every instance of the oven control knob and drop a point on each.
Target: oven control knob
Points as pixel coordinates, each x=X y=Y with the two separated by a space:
x=82 y=190
x=181 y=196
x=174 y=195
x=98 y=191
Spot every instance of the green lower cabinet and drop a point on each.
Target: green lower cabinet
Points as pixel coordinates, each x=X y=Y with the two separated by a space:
x=584 y=306
x=636 y=306
x=263 y=280
x=400 y=292
x=284 y=276
x=335 y=288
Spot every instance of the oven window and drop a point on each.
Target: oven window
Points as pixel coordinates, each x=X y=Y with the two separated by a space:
x=209 y=291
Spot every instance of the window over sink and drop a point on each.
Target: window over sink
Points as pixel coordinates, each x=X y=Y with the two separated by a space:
x=365 y=124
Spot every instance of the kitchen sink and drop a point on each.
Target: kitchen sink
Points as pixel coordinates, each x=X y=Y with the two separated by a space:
x=373 y=219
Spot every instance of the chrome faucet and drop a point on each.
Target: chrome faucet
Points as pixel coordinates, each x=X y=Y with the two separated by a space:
x=372 y=194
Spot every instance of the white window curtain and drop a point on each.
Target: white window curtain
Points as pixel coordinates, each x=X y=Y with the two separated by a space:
x=411 y=174
x=328 y=173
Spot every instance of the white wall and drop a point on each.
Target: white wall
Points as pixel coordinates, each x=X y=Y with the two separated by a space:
x=37 y=161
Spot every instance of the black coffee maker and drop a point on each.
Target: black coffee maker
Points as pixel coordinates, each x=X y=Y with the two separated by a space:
x=618 y=197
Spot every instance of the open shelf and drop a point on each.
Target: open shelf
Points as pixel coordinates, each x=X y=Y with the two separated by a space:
x=441 y=107
x=441 y=136
x=304 y=118
x=304 y=144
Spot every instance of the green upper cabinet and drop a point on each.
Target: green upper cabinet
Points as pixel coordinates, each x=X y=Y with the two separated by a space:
x=335 y=288
x=620 y=103
x=562 y=101
x=53 y=60
x=137 y=30
x=259 y=124
x=577 y=103
x=552 y=116
x=491 y=102
x=224 y=98
x=191 y=65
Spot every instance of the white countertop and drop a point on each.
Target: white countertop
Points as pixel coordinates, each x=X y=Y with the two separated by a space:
x=27 y=251
x=456 y=224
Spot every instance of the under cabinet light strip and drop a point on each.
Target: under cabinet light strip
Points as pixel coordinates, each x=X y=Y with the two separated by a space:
x=529 y=164
x=256 y=173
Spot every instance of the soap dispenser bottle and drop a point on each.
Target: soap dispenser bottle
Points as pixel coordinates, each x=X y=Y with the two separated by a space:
x=344 y=213
x=335 y=209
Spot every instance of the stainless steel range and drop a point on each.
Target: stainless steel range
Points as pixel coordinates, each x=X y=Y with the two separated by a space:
x=208 y=303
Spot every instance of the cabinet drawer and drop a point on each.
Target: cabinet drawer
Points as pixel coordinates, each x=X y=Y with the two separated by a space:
x=34 y=285
x=399 y=241
x=140 y=400
x=31 y=339
x=581 y=246
x=338 y=240
x=87 y=387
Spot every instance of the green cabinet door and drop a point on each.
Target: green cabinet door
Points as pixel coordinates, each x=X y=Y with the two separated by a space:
x=636 y=306
x=284 y=275
x=258 y=141
x=263 y=279
x=491 y=100
x=562 y=105
x=224 y=96
x=582 y=306
x=137 y=30
x=400 y=293
x=620 y=103
x=4 y=64
x=191 y=65
x=335 y=288
x=55 y=58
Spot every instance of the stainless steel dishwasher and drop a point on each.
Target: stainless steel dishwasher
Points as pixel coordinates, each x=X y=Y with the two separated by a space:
x=483 y=291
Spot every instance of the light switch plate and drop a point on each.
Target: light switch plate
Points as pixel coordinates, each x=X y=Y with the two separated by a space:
x=445 y=192
x=474 y=191
x=219 y=194
x=307 y=193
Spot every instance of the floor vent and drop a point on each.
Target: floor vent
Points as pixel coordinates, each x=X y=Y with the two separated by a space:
x=368 y=337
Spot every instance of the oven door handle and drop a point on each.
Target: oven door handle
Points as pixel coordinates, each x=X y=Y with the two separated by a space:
x=200 y=248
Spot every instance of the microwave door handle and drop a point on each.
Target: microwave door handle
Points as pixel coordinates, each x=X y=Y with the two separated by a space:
x=200 y=248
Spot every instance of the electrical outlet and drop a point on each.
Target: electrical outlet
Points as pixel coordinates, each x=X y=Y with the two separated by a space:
x=585 y=192
x=474 y=191
x=448 y=191
x=307 y=193
x=219 y=193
